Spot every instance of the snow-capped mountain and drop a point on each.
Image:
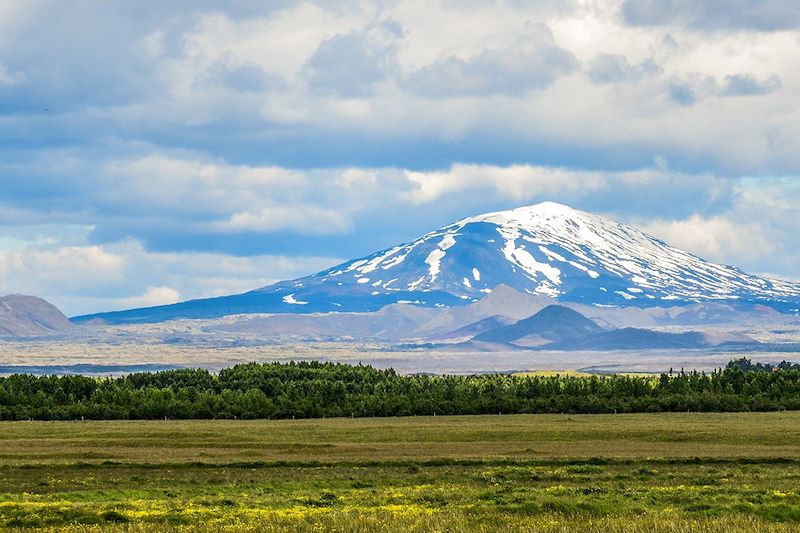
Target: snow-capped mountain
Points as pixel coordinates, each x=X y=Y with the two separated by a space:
x=553 y=250
x=547 y=249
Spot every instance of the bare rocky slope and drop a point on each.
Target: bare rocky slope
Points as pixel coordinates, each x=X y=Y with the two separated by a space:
x=24 y=316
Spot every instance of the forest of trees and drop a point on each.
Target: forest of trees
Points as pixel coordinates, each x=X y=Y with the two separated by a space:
x=309 y=390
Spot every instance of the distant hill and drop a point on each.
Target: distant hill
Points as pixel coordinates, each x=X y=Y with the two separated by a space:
x=22 y=316
x=501 y=301
x=476 y=328
x=557 y=327
x=647 y=339
x=633 y=339
x=552 y=324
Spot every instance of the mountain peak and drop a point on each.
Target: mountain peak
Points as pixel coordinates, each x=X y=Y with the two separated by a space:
x=529 y=214
x=547 y=208
x=553 y=323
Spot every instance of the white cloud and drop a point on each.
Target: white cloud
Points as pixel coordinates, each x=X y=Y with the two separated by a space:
x=358 y=177
x=9 y=78
x=757 y=232
x=304 y=219
x=716 y=238
x=68 y=269
x=187 y=185
x=152 y=296
x=525 y=182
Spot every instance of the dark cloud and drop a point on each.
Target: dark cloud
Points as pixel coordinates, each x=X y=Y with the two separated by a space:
x=749 y=85
x=351 y=64
x=534 y=62
x=759 y=15
x=695 y=87
x=682 y=94
x=246 y=77
x=615 y=68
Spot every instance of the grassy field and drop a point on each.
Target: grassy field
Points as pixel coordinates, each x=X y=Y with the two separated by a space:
x=661 y=472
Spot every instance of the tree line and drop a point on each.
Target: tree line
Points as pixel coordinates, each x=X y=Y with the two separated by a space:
x=317 y=389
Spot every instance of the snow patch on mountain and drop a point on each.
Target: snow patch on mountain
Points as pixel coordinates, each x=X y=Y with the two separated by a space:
x=289 y=299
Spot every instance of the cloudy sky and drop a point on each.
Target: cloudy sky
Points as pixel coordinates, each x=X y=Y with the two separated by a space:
x=197 y=148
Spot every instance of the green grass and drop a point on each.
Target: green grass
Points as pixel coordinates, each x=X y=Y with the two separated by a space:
x=661 y=472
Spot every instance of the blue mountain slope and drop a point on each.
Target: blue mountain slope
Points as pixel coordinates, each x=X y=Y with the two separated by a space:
x=633 y=339
x=546 y=249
